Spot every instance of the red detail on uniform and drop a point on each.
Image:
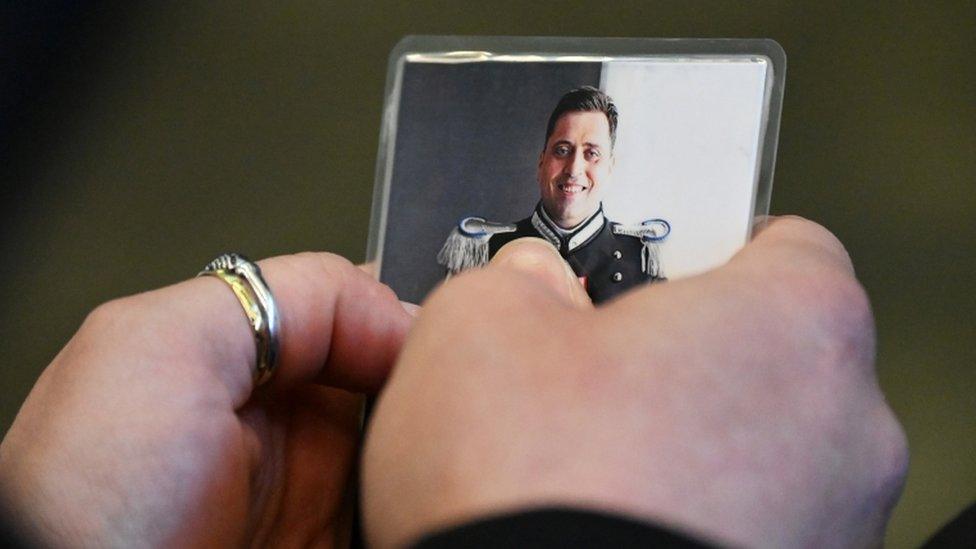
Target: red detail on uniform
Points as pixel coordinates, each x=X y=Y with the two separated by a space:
x=583 y=280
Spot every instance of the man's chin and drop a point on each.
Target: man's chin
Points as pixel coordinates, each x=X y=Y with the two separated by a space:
x=569 y=212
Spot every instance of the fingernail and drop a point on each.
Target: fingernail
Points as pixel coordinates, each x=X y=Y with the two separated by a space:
x=412 y=309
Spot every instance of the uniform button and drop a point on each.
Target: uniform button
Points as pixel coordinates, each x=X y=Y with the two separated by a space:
x=617 y=277
x=617 y=254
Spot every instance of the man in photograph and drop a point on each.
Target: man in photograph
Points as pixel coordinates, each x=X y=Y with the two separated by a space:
x=574 y=171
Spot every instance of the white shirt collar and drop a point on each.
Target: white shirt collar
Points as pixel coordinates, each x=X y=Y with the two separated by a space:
x=556 y=235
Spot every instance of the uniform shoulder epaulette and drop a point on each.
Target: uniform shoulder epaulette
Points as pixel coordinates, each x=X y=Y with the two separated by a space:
x=466 y=246
x=651 y=233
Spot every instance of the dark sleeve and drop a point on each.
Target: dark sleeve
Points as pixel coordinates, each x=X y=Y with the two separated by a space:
x=558 y=527
x=961 y=532
x=11 y=536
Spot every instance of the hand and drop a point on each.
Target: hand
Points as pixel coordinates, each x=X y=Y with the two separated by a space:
x=740 y=405
x=146 y=430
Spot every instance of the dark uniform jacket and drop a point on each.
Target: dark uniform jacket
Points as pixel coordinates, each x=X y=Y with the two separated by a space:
x=609 y=258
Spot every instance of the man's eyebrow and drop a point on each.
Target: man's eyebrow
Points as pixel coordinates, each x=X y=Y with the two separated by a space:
x=589 y=144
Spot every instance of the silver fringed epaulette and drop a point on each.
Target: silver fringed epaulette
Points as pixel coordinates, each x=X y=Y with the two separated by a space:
x=651 y=233
x=467 y=245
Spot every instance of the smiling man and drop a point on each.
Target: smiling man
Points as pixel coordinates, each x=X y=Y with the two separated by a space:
x=575 y=169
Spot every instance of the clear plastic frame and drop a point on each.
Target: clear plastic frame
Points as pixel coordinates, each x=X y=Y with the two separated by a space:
x=641 y=160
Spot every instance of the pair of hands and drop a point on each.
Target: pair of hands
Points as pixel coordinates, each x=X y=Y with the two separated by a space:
x=740 y=405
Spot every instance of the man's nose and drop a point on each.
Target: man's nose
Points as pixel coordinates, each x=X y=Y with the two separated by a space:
x=576 y=165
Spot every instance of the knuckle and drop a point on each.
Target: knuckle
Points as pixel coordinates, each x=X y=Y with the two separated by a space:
x=811 y=236
x=893 y=460
x=335 y=267
x=375 y=291
x=107 y=317
x=309 y=268
x=803 y=227
x=334 y=261
x=332 y=264
x=793 y=219
x=106 y=329
x=833 y=312
x=845 y=306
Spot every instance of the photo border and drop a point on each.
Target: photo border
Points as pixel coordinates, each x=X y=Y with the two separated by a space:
x=464 y=49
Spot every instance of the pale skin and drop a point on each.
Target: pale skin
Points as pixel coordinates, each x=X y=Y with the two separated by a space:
x=740 y=405
x=146 y=431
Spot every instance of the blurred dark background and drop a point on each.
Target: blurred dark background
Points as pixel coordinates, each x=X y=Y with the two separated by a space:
x=138 y=141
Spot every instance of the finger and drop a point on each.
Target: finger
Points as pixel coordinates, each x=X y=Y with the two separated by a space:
x=788 y=254
x=791 y=289
x=411 y=308
x=794 y=242
x=338 y=325
x=784 y=250
x=526 y=285
x=319 y=460
x=538 y=258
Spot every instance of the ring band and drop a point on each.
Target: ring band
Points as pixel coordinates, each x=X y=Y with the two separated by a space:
x=245 y=280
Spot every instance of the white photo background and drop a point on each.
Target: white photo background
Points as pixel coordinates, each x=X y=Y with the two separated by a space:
x=687 y=150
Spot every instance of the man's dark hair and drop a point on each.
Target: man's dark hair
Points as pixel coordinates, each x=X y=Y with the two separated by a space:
x=585 y=99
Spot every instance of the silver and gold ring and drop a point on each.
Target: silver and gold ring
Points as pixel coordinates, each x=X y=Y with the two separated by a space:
x=245 y=280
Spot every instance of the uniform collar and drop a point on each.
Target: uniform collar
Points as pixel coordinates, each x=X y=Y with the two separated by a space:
x=567 y=241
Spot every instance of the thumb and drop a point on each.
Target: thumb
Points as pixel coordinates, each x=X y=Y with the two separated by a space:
x=536 y=257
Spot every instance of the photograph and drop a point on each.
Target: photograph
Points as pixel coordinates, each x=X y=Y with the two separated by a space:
x=637 y=169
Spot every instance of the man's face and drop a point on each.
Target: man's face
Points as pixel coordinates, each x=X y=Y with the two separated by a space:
x=575 y=167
